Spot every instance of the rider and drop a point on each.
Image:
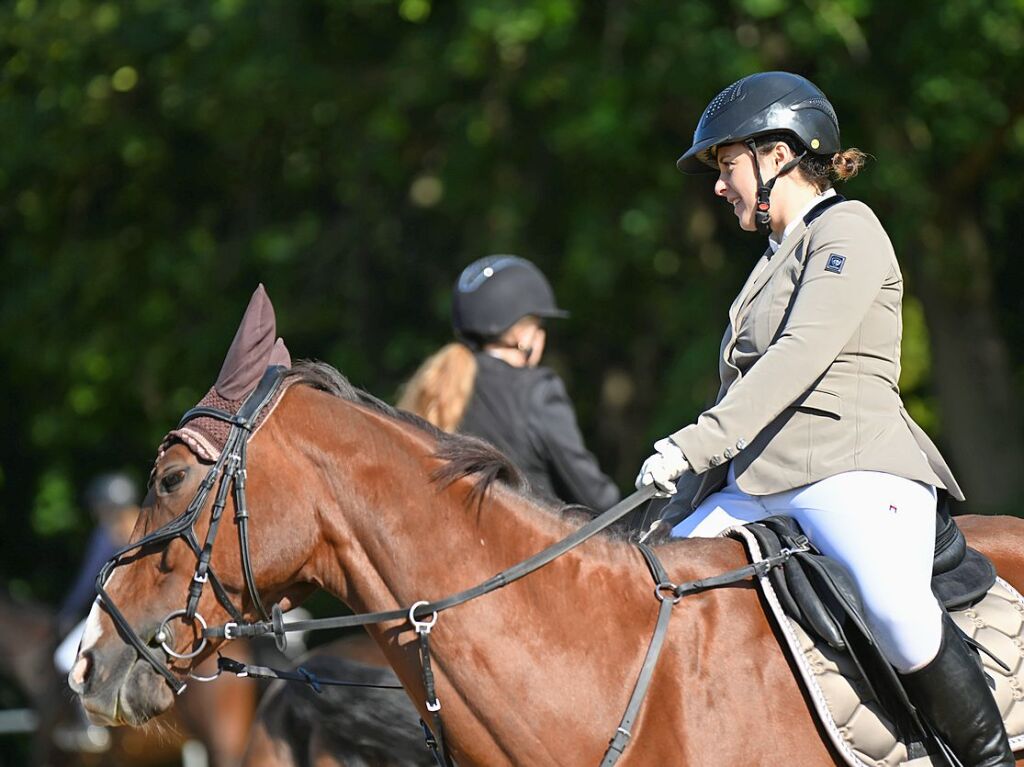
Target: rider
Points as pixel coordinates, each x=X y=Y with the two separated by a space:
x=490 y=383
x=808 y=421
x=113 y=500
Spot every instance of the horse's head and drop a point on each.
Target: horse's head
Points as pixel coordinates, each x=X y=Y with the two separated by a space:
x=145 y=632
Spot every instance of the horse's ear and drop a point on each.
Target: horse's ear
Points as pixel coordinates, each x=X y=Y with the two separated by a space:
x=251 y=349
x=279 y=355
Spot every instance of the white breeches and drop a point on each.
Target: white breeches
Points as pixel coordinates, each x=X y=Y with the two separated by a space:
x=880 y=526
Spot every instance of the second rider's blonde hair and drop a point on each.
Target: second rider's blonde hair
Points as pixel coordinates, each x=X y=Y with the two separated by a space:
x=440 y=389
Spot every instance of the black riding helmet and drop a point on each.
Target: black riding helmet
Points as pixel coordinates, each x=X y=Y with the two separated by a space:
x=113 y=490
x=758 y=105
x=495 y=292
x=108 y=494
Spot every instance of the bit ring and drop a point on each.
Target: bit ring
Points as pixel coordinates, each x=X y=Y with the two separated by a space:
x=161 y=635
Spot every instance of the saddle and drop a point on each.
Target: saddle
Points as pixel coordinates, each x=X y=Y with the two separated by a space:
x=819 y=593
x=819 y=596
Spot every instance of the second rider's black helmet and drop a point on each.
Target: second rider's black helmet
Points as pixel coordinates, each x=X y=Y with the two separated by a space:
x=768 y=102
x=495 y=292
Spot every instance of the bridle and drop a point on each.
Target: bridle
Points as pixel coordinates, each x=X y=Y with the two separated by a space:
x=230 y=468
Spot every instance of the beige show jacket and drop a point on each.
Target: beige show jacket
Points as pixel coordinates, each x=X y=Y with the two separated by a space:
x=810 y=366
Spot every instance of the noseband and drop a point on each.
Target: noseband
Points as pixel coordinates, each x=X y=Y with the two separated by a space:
x=230 y=469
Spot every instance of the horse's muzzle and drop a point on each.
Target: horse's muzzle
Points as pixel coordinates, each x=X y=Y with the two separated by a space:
x=116 y=687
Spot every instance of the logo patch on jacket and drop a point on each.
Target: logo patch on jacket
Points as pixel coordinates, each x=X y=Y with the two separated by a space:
x=835 y=263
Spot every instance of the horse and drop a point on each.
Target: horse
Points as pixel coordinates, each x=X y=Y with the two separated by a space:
x=347 y=494
x=340 y=726
x=219 y=716
x=27 y=641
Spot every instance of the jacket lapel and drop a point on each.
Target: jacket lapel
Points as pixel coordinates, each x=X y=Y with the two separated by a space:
x=762 y=264
x=762 y=273
x=730 y=332
x=758 y=278
x=761 y=279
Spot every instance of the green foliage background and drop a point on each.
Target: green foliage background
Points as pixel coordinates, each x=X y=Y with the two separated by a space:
x=159 y=158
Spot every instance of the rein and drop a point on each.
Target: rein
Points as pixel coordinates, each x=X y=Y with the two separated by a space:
x=422 y=615
x=300 y=674
x=429 y=610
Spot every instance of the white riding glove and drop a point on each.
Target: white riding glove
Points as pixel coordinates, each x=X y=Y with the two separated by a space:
x=663 y=468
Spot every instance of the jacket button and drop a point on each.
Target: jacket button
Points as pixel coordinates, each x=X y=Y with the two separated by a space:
x=727 y=453
x=740 y=444
x=714 y=460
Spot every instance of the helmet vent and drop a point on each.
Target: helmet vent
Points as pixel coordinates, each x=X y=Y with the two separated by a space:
x=821 y=104
x=720 y=101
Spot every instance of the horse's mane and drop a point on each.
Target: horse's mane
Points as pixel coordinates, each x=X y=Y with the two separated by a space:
x=463 y=455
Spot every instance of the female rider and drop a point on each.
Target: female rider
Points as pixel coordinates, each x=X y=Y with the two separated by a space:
x=808 y=421
x=490 y=383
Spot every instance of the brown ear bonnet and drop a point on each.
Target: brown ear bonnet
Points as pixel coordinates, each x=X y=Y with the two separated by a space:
x=252 y=351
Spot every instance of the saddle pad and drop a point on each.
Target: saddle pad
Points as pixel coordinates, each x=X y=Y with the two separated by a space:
x=857 y=727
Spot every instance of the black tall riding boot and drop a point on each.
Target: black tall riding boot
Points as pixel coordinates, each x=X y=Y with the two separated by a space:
x=953 y=696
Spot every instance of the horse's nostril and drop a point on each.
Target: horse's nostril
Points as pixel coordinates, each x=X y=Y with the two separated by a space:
x=81 y=671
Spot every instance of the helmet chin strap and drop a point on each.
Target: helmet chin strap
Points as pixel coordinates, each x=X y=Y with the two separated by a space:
x=762 y=210
x=525 y=349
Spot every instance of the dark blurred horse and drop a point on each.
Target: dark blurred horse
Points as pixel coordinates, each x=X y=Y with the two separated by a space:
x=340 y=726
x=218 y=715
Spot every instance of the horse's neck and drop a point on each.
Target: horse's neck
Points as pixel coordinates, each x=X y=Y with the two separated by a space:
x=394 y=537
x=397 y=536
x=425 y=540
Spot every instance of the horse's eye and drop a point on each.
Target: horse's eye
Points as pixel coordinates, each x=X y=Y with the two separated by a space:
x=170 y=482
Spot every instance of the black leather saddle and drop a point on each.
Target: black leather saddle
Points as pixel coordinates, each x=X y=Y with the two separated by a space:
x=819 y=592
x=820 y=595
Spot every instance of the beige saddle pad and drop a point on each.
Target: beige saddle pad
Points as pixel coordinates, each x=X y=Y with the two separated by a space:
x=857 y=726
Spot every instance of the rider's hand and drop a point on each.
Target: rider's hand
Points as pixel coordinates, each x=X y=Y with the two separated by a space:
x=664 y=467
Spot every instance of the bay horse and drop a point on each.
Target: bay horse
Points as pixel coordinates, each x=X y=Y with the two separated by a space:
x=349 y=495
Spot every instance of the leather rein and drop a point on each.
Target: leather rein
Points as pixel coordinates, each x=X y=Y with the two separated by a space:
x=230 y=467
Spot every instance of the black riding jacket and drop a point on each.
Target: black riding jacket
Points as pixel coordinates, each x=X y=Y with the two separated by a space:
x=527 y=414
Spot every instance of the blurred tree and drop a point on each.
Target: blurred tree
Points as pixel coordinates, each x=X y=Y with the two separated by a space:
x=159 y=157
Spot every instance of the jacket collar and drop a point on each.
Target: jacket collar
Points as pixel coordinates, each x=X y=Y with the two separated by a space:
x=812 y=205
x=794 y=237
